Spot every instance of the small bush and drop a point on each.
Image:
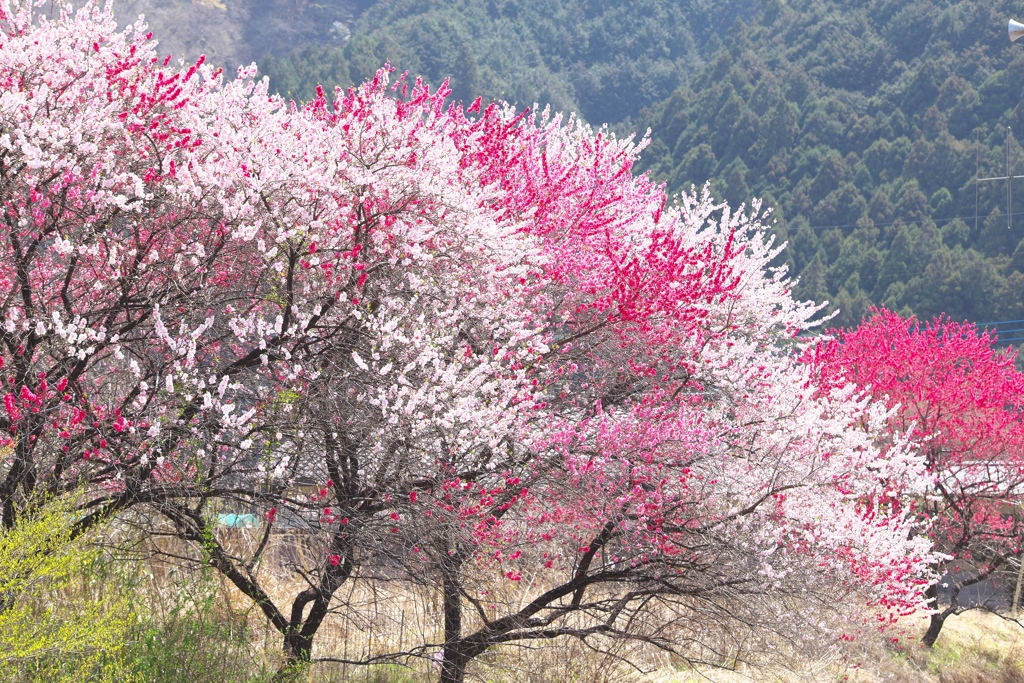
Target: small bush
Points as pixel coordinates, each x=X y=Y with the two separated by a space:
x=57 y=623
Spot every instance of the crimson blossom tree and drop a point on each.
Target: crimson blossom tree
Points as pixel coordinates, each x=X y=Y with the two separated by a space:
x=960 y=400
x=450 y=340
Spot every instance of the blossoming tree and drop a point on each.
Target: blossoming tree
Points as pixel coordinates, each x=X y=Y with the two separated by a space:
x=117 y=230
x=686 y=465
x=419 y=334
x=960 y=399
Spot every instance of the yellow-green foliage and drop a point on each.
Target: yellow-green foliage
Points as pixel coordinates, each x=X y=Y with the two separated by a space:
x=55 y=626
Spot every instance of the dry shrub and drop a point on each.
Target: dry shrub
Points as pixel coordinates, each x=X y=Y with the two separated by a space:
x=1008 y=673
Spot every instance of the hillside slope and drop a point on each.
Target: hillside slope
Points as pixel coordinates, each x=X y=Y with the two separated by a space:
x=607 y=60
x=864 y=124
x=235 y=32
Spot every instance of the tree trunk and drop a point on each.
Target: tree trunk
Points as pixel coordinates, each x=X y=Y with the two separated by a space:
x=298 y=650
x=937 y=619
x=454 y=660
x=453 y=667
x=934 y=627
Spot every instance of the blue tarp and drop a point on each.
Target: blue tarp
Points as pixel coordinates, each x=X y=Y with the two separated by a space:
x=233 y=520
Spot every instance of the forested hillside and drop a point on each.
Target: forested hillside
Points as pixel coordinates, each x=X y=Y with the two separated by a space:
x=608 y=60
x=859 y=122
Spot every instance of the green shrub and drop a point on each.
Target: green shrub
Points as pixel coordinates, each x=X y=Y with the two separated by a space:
x=57 y=625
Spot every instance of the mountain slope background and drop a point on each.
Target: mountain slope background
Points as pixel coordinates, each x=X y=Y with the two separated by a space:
x=863 y=125
x=609 y=61
x=235 y=32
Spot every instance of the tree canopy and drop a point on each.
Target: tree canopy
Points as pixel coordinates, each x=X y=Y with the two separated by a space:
x=960 y=400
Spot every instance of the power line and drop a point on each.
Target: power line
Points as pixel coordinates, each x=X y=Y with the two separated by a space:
x=872 y=224
x=976 y=180
x=999 y=322
x=1019 y=329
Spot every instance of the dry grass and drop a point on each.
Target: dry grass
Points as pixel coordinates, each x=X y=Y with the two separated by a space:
x=371 y=618
x=975 y=647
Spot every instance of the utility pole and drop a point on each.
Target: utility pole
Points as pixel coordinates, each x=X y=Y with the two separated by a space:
x=1016 y=593
x=1008 y=178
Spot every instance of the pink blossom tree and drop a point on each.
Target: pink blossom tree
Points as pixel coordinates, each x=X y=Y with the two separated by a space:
x=419 y=334
x=119 y=236
x=960 y=400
